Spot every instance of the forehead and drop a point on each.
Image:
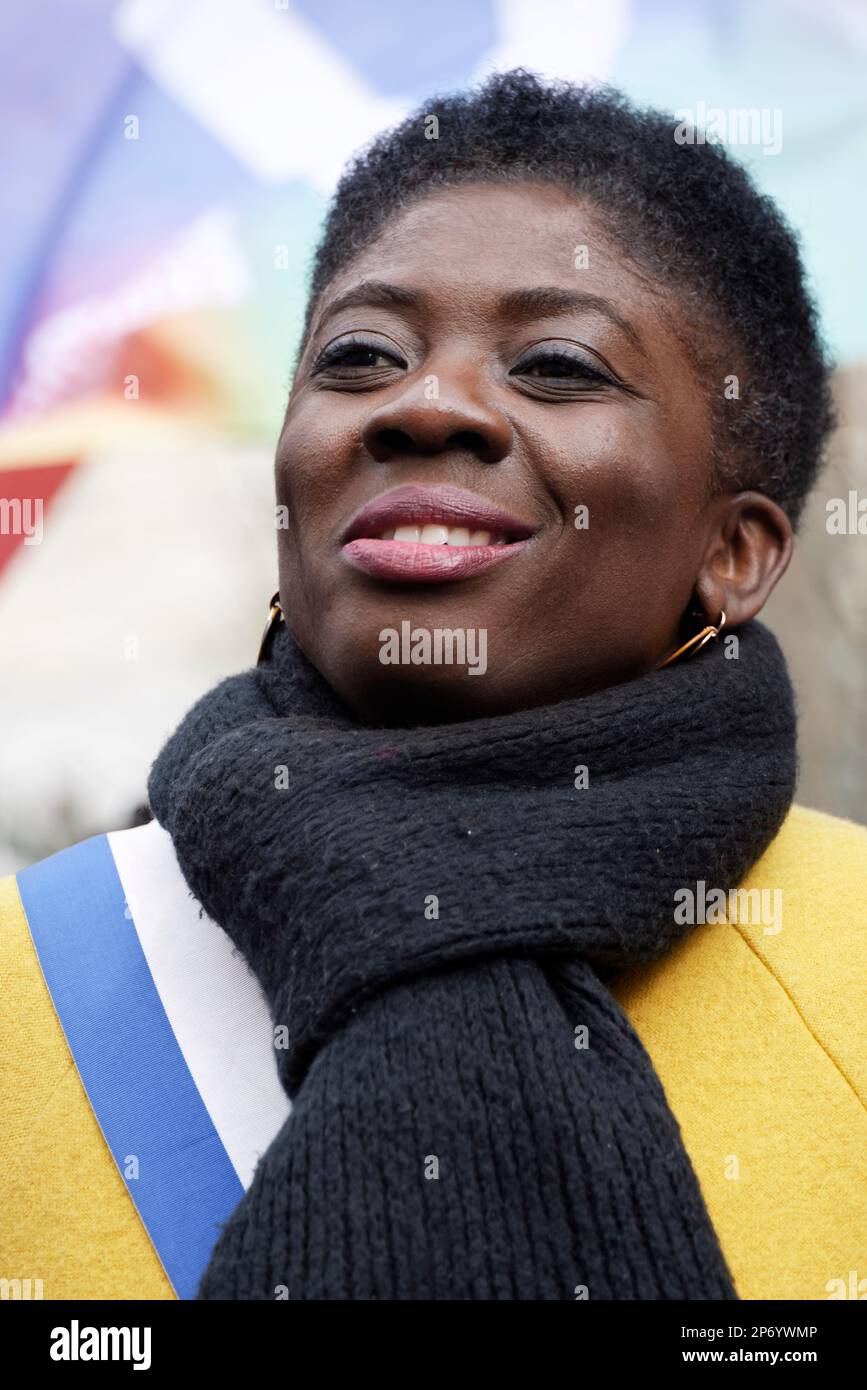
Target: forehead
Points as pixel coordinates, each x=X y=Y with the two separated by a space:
x=467 y=247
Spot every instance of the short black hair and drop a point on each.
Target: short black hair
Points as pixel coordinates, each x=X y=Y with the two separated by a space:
x=688 y=212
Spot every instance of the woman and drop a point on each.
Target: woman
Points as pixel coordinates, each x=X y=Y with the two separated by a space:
x=562 y=989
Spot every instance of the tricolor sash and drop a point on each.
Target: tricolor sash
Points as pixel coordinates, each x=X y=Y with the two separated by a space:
x=168 y=1031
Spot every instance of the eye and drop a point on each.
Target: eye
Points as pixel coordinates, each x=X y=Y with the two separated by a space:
x=351 y=357
x=560 y=368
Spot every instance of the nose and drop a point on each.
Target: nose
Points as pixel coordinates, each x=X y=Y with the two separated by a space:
x=438 y=414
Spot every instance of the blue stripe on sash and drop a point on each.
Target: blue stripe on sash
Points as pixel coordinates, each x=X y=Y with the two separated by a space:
x=132 y=1068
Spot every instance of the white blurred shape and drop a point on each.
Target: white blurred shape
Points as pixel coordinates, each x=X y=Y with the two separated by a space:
x=262 y=81
x=152 y=582
x=575 y=39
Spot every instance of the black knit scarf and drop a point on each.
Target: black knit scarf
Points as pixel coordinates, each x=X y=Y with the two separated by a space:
x=431 y=913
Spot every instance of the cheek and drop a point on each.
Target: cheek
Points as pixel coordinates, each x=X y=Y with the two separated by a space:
x=313 y=462
x=633 y=478
x=314 y=453
x=626 y=578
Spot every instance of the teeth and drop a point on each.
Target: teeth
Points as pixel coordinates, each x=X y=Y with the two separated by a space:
x=433 y=533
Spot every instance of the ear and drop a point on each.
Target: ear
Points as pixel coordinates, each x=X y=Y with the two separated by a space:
x=749 y=551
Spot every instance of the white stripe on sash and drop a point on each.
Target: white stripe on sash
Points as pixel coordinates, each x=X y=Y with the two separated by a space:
x=169 y=1032
x=213 y=1001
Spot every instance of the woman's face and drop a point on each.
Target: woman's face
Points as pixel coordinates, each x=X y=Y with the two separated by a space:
x=496 y=359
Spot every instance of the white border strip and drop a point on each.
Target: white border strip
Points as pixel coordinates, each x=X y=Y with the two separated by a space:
x=213 y=1001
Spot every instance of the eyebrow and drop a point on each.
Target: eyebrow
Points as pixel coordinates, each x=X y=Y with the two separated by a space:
x=371 y=294
x=540 y=301
x=547 y=301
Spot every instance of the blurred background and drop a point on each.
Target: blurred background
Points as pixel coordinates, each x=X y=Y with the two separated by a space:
x=167 y=164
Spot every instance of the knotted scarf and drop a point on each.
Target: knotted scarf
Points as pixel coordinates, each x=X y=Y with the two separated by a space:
x=431 y=913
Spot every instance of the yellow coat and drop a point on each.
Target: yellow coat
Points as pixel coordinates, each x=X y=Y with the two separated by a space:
x=757 y=1035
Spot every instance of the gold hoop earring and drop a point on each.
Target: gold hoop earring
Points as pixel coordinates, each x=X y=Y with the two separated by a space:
x=696 y=643
x=275 y=616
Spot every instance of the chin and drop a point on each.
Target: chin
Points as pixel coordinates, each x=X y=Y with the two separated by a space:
x=391 y=668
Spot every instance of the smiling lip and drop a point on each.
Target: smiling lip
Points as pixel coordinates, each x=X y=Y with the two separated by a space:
x=406 y=561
